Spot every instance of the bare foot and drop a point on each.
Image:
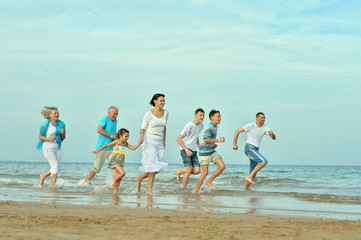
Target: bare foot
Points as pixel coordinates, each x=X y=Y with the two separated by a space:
x=250 y=180
x=211 y=185
x=86 y=181
x=112 y=184
x=42 y=178
x=139 y=181
x=150 y=192
x=178 y=175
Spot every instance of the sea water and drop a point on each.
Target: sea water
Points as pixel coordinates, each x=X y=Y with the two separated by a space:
x=312 y=191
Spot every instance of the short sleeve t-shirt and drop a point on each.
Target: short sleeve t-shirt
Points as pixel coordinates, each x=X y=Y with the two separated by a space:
x=111 y=128
x=255 y=133
x=190 y=135
x=206 y=149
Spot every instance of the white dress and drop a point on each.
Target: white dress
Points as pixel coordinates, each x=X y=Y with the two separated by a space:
x=153 y=148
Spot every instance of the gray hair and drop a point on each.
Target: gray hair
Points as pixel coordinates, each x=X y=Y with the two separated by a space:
x=112 y=109
x=47 y=111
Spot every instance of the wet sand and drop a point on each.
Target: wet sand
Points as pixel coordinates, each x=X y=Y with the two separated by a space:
x=58 y=221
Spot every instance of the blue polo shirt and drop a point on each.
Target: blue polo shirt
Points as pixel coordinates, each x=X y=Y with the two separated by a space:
x=111 y=128
x=206 y=149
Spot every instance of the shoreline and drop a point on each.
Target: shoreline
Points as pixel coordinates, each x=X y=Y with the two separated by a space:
x=28 y=220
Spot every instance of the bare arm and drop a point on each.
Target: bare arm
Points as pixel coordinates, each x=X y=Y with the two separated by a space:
x=181 y=143
x=208 y=140
x=136 y=146
x=272 y=135
x=45 y=139
x=101 y=131
x=235 y=139
x=105 y=146
x=63 y=134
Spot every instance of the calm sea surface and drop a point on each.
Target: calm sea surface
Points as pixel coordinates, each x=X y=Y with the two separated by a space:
x=316 y=191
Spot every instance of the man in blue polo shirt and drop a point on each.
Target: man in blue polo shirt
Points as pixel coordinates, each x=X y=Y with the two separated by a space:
x=107 y=129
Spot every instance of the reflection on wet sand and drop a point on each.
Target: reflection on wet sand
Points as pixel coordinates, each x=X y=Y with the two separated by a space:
x=149 y=201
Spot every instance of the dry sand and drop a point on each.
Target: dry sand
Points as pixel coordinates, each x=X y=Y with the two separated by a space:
x=47 y=221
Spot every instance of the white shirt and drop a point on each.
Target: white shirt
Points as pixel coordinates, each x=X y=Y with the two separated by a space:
x=50 y=133
x=190 y=135
x=154 y=125
x=255 y=133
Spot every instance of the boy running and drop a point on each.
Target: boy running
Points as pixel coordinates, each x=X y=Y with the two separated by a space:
x=188 y=141
x=207 y=152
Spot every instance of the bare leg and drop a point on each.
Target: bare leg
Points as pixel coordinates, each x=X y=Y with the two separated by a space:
x=118 y=174
x=179 y=172
x=187 y=173
x=151 y=177
x=201 y=178
x=246 y=185
x=53 y=180
x=43 y=176
x=140 y=179
x=217 y=172
x=255 y=170
x=91 y=175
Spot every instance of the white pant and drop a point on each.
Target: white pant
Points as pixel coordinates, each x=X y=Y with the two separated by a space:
x=54 y=158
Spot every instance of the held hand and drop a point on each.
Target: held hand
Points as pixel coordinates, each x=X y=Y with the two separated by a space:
x=141 y=141
x=95 y=152
x=221 y=139
x=235 y=147
x=62 y=131
x=189 y=152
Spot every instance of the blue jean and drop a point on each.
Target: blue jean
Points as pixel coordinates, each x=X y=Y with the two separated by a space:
x=190 y=161
x=254 y=156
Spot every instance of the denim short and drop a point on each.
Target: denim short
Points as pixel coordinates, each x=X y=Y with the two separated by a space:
x=190 y=161
x=254 y=156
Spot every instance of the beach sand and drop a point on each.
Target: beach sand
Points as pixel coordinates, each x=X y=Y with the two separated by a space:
x=19 y=220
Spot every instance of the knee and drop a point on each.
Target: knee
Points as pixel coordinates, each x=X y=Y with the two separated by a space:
x=196 y=171
x=222 y=168
x=122 y=174
x=188 y=171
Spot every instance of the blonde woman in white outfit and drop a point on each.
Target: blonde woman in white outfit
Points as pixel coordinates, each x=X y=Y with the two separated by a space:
x=52 y=134
x=153 y=133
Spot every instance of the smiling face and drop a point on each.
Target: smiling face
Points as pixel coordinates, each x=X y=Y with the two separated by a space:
x=159 y=102
x=199 y=117
x=54 y=115
x=113 y=115
x=124 y=138
x=260 y=119
x=216 y=119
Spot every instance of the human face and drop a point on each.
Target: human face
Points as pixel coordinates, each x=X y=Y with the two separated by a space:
x=54 y=115
x=260 y=120
x=216 y=119
x=160 y=102
x=124 y=138
x=199 y=117
x=113 y=115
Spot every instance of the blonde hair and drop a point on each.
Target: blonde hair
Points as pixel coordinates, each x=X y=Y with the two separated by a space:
x=47 y=111
x=112 y=108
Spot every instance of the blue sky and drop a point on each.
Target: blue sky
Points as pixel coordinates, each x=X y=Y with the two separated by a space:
x=299 y=62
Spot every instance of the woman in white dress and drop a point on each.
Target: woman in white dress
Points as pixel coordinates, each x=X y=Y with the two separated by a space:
x=153 y=133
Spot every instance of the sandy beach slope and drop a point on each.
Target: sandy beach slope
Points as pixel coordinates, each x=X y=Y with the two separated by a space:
x=46 y=221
